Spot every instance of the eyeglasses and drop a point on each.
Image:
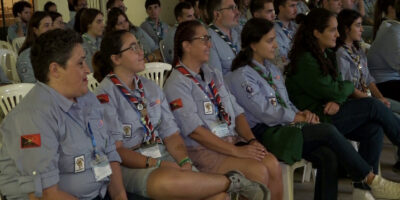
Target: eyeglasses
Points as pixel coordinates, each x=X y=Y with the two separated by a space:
x=204 y=38
x=232 y=8
x=137 y=48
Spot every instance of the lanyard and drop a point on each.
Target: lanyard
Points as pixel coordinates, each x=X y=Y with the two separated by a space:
x=224 y=37
x=140 y=105
x=154 y=26
x=357 y=59
x=287 y=32
x=214 y=96
x=95 y=153
x=271 y=83
x=94 y=46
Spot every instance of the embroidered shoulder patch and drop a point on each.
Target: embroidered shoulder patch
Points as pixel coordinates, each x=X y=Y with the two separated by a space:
x=176 y=104
x=30 y=141
x=103 y=98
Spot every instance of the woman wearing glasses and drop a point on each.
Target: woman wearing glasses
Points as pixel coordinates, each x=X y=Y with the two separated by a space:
x=155 y=162
x=212 y=124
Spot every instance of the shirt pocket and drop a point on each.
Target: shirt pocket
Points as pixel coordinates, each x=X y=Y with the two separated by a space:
x=205 y=108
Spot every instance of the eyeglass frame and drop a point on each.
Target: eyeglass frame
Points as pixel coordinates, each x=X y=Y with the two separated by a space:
x=137 y=49
x=202 y=38
x=232 y=8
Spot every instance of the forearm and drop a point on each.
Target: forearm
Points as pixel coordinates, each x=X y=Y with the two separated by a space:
x=357 y=94
x=375 y=91
x=116 y=188
x=206 y=138
x=176 y=147
x=20 y=32
x=131 y=159
x=53 y=193
x=243 y=128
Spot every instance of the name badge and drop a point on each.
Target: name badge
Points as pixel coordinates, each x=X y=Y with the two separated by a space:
x=208 y=108
x=220 y=129
x=151 y=150
x=79 y=164
x=127 y=130
x=101 y=168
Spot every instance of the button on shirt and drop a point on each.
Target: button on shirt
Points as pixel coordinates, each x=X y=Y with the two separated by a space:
x=349 y=68
x=91 y=45
x=284 y=37
x=192 y=112
x=122 y=113
x=221 y=54
x=254 y=94
x=149 y=27
x=24 y=67
x=59 y=128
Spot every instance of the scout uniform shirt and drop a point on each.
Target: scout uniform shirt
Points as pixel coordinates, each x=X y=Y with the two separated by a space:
x=91 y=46
x=156 y=31
x=354 y=67
x=284 y=37
x=257 y=96
x=147 y=42
x=192 y=107
x=223 y=50
x=48 y=139
x=123 y=118
x=24 y=67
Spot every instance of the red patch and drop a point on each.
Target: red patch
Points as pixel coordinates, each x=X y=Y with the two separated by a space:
x=176 y=104
x=103 y=98
x=30 y=141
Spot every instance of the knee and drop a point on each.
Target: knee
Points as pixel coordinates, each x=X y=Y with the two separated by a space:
x=273 y=165
x=257 y=169
x=164 y=181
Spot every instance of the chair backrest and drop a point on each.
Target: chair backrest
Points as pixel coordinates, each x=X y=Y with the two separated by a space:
x=6 y=45
x=162 y=50
x=156 y=71
x=8 y=60
x=92 y=82
x=11 y=95
x=17 y=43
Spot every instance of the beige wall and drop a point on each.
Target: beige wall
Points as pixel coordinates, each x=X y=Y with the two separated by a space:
x=62 y=7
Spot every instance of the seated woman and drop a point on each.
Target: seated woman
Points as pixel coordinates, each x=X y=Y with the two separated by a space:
x=155 y=162
x=210 y=120
x=117 y=20
x=383 y=56
x=92 y=27
x=40 y=23
x=58 y=21
x=285 y=131
x=313 y=83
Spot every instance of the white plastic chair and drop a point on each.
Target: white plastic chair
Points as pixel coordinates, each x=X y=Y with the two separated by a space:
x=17 y=43
x=6 y=45
x=155 y=71
x=11 y=95
x=8 y=60
x=92 y=82
x=287 y=177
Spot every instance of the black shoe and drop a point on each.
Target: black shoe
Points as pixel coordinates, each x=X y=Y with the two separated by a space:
x=396 y=167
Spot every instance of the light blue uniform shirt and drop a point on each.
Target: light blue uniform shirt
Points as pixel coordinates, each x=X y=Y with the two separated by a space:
x=169 y=45
x=24 y=67
x=149 y=27
x=254 y=94
x=302 y=7
x=369 y=6
x=383 y=56
x=62 y=125
x=91 y=45
x=221 y=54
x=147 y=42
x=192 y=113
x=12 y=31
x=121 y=113
x=349 y=69
x=284 y=42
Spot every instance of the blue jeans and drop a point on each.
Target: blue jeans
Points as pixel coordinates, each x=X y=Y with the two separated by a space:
x=365 y=120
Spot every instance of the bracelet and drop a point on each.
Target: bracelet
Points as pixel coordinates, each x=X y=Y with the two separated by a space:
x=251 y=140
x=147 y=162
x=158 y=163
x=184 y=161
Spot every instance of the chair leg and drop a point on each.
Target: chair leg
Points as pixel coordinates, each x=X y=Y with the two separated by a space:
x=287 y=177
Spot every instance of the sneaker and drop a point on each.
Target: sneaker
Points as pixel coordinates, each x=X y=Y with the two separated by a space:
x=359 y=194
x=396 y=167
x=384 y=189
x=247 y=188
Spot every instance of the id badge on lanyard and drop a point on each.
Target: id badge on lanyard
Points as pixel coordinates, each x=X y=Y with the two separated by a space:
x=220 y=129
x=151 y=150
x=101 y=167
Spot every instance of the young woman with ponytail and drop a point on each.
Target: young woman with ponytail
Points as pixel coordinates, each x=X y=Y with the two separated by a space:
x=155 y=163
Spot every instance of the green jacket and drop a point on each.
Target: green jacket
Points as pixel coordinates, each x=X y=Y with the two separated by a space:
x=309 y=89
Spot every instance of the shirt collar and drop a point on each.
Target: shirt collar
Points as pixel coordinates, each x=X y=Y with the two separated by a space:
x=64 y=103
x=265 y=68
x=206 y=71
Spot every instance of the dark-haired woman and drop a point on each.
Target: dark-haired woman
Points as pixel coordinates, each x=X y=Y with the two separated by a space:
x=117 y=20
x=384 y=10
x=313 y=83
x=155 y=162
x=92 y=27
x=58 y=21
x=40 y=23
x=212 y=124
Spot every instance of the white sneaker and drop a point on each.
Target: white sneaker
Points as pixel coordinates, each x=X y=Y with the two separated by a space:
x=385 y=189
x=359 y=194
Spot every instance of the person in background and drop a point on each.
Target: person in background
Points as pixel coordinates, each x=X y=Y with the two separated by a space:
x=153 y=26
x=155 y=163
x=183 y=11
x=369 y=6
x=92 y=27
x=195 y=4
x=357 y=5
x=334 y=6
x=117 y=20
x=22 y=12
x=116 y=4
x=384 y=10
x=57 y=19
x=78 y=5
x=225 y=38
x=203 y=16
x=50 y=7
x=40 y=23
x=302 y=7
x=263 y=9
x=243 y=7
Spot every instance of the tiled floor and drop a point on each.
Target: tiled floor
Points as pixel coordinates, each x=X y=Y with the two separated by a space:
x=304 y=191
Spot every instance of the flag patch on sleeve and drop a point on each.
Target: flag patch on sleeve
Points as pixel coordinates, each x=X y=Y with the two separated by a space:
x=176 y=104
x=103 y=98
x=30 y=141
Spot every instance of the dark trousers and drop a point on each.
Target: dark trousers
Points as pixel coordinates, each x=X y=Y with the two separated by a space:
x=390 y=89
x=365 y=120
